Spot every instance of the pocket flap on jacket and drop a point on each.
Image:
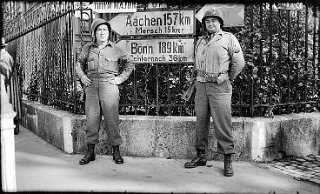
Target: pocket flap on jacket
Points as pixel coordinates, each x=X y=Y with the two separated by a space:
x=114 y=59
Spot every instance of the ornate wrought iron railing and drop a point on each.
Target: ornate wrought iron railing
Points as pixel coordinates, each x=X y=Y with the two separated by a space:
x=42 y=43
x=281 y=76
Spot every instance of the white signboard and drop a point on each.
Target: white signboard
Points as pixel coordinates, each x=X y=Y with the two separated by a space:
x=156 y=5
x=113 y=7
x=233 y=14
x=160 y=50
x=176 y=22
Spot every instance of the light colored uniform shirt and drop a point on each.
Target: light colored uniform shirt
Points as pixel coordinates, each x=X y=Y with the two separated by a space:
x=103 y=62
x=214 y=56
x=6 y=62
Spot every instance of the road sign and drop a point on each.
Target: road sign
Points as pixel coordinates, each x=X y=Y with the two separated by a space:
x=178 y=22
x=233 y=14
x=159 y=50
x=113 y=7
x=156 y=5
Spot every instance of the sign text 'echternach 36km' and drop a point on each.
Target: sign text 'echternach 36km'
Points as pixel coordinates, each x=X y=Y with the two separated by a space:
x=152 y=23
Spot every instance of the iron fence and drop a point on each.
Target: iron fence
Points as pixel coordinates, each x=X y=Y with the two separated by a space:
x=281 y=76
x=282 y=61
x=44 y=55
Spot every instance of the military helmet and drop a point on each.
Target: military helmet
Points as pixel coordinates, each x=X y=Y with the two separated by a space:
x=97 y=22
x=213 y=13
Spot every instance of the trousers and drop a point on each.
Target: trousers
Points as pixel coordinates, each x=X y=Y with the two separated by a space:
x=213 y=99
x=102 y=98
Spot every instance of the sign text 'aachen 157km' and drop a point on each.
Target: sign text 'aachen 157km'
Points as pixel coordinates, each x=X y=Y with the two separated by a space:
x=159 y=50
x=156 y=22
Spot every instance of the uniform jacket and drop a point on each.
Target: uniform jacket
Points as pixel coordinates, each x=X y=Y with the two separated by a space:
x=103 y=63
x=6 y=62
x=8 y=69
x=221 y=54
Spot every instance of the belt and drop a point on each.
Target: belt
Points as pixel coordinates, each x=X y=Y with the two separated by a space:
x=210 y=78
x=213 y=77
x=102 y=79
x=105 y=79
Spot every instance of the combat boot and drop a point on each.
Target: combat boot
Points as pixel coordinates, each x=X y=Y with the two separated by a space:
x=89 y=156
x=199 y=160
x=116 y=155
x=228 y=170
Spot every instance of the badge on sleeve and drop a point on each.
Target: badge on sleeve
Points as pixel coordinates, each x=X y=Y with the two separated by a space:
x=236 y=48
x=234 y=44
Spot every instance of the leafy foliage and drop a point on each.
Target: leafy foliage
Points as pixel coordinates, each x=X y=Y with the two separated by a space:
x=281 y=68
x=281 y=76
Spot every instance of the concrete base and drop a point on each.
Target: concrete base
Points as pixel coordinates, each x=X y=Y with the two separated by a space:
x=257 y=139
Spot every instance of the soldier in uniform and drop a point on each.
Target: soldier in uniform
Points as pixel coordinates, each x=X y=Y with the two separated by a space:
x=6 y=64
x=98 y=70
x=218 y=61
x=9 y=70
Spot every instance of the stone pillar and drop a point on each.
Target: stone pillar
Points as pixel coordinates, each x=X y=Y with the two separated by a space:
x=8 y=163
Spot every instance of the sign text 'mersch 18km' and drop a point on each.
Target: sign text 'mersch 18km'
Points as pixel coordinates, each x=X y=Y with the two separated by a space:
x=156 y=22
x=159 y=50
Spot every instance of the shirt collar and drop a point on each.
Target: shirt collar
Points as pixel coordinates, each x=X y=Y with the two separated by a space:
x=107 y=45
x=208 y=36
x=220 y=33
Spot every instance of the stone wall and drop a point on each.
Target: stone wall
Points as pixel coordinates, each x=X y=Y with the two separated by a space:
x=257 y=139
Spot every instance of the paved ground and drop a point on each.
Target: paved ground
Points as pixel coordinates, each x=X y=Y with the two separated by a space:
x=306 y=168
x=42 y=167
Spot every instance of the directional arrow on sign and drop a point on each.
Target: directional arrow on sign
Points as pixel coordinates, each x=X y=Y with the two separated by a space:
x=233 y=14
x=118 y=24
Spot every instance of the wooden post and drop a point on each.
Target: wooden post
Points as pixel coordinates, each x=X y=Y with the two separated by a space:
x=8 y=163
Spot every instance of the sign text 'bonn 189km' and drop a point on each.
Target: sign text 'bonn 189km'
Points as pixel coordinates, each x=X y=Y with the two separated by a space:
x=159 y=50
